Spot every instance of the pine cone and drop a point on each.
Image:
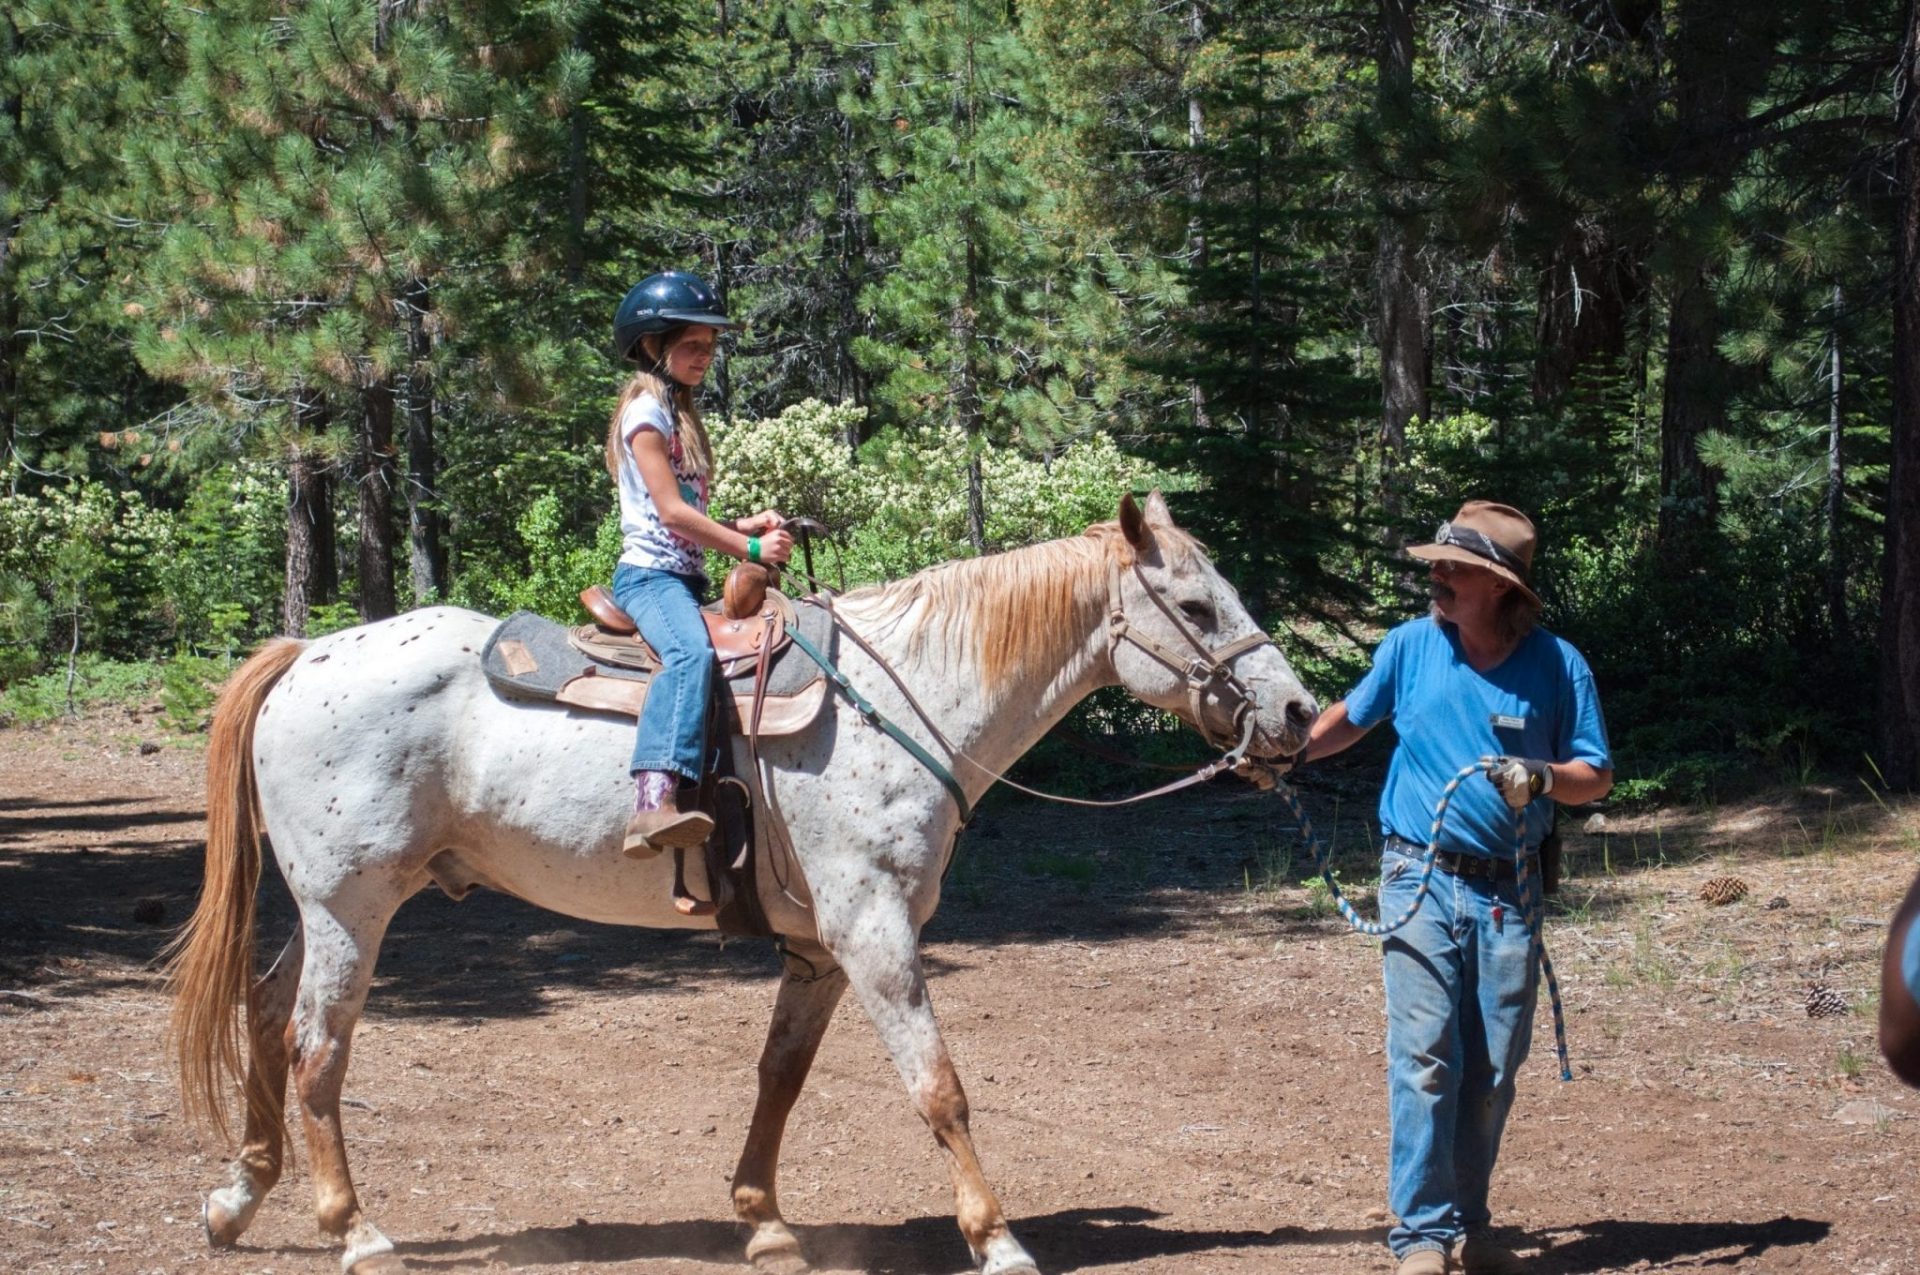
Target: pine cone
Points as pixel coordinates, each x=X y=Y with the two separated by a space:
x=1723 y=890
x=1824 y=1002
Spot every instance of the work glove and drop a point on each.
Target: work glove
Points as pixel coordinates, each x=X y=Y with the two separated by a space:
x=1521 y=779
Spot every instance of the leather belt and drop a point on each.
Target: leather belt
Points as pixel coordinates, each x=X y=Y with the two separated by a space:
x=1479 y=866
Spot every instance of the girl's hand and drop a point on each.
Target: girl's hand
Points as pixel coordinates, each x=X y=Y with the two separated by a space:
x=776 y=547
x=761 y=523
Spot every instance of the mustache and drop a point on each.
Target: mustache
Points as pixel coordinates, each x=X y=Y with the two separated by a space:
x=1440 y=592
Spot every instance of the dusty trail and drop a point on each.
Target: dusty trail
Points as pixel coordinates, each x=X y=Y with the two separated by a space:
x=1172 y=1056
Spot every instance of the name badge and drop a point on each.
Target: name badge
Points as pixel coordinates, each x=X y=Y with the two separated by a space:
x=1506 y=721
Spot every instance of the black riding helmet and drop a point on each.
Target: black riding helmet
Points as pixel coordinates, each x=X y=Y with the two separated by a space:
x=661 y=301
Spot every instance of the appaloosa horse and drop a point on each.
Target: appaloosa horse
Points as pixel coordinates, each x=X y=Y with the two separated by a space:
x=379 y=760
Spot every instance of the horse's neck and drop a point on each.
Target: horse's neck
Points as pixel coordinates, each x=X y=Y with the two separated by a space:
x=993 y=720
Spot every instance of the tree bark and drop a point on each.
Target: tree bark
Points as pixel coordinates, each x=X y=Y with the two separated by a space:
x=1587 y=293
x=311 y=576
x=426 y=554
x=375 y=484
x=10 y=343
x=1196 y=189
x=1836 y=493
x=1401 y=290
x=1899 y=696
x=1694 y=403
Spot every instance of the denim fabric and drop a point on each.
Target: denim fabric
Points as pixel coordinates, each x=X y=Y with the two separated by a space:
x=1461 y=988
x=673 y=723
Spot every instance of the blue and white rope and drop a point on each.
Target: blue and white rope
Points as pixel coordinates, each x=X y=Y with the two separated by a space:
x=1533 y=899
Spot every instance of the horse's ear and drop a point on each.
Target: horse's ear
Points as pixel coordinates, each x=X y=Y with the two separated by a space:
x=1157 y=510
x=1133 y=523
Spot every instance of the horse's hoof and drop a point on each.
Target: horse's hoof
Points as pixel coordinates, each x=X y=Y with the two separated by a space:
x=773 y=1250
x=370 y=1253
x=223 y=1228
x=378 y=1264
x=1004 y=1256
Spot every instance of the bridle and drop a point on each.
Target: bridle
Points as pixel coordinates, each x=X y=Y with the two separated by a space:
x=1207 y=670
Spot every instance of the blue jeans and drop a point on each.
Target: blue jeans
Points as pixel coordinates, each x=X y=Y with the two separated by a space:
x=1461 y=987
x=673 y=722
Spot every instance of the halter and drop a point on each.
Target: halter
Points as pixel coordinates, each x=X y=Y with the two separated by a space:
x=1208 y=670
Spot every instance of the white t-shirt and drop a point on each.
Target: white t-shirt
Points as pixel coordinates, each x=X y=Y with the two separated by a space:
x=646 y=541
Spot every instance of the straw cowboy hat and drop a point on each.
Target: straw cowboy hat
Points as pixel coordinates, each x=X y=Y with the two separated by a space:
x=1498 y=538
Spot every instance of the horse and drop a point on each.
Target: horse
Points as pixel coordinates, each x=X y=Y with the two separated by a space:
x=379 y=760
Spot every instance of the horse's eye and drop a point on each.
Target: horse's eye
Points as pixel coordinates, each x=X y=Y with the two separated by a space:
x=1198 y=612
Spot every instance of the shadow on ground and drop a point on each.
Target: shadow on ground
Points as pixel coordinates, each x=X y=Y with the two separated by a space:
x=1069 y=1240
x=92 y=887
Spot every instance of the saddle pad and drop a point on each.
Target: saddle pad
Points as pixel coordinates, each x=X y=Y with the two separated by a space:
x=531 y=657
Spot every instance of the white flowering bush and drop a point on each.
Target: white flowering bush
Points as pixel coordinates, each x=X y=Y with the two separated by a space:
x=902 y=504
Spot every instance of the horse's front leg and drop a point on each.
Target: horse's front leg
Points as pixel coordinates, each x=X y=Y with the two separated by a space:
x=800 y=1018
x=882 y=959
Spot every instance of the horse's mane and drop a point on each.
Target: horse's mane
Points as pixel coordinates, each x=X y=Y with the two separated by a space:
x=1021 y=610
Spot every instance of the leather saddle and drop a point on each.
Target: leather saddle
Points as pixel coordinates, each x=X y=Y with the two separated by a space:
x=606 y=666
x=748 y=625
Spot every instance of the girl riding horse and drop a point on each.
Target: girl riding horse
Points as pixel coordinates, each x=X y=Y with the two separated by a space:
x=658 y=455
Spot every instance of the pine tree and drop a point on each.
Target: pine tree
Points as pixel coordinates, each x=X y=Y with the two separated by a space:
x=959 y=339
x=345 y=186
x=72 y=77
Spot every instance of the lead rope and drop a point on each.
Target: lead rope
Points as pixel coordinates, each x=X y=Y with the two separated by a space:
x=1533 y=899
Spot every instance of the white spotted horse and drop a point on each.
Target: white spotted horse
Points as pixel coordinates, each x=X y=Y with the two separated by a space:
x=379 y=760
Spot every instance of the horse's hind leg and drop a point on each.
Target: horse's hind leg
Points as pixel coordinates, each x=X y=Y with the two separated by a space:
x=883 y=962
x=333 y=988
x=229 y=1210
x=800 y=1018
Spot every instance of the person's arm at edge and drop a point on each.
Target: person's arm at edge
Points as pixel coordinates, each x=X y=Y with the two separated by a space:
x=1899 y=1015
x=1332 y=732
x=1575 y=783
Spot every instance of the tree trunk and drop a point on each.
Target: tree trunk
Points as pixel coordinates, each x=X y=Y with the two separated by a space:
x=1899 y=696
x=1587 y=293
x=376 y=501
x=1401 y=290
x=11 y=345
x=311 y=576
x=1694 y=403
x=1196 y=188
x=1836 y=493
x=426 y=554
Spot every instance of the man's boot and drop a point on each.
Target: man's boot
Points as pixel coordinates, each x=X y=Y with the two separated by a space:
x=659 y=820
x=1423 y=1261
x=1478 y=1255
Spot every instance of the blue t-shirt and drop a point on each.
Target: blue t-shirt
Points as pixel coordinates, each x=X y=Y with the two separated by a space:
x=1539 y=702
x=1910 y=960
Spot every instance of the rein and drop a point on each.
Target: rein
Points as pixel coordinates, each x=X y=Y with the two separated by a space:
x=1533 y=899
x=1204 y=671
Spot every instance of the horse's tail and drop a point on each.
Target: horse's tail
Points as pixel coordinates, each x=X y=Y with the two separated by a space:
x=210 y=963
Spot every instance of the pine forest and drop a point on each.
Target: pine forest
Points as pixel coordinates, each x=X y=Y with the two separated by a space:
x=306 y=318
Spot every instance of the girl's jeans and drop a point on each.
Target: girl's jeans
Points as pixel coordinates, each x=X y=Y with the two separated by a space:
x=1461 y=987
x=673 y=722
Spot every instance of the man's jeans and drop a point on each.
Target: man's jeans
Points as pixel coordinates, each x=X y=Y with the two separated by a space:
x=673 y=722
x=1461 y=988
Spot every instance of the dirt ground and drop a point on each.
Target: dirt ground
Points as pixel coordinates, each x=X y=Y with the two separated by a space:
x=1172 y=1051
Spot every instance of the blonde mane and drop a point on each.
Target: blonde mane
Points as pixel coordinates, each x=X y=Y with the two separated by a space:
x=1023 y=610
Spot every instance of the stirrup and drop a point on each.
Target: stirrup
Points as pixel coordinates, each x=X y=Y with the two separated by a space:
x=683 y=900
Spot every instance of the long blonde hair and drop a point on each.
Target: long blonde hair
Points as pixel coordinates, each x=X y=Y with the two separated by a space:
x=695 y=451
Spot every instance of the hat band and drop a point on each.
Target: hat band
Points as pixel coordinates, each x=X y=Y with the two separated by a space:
x=1481 y=545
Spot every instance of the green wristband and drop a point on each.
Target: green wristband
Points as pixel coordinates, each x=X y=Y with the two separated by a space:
x=753 y=548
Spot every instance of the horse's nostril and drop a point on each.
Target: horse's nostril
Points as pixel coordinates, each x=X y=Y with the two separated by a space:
x=1300 y=713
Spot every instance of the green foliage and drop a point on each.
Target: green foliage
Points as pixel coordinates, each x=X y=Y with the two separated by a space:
x=557 y=566
x=95 y=680
x=189 y=686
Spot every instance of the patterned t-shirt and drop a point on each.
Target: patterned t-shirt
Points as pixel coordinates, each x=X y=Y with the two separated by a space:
x=646 y=541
